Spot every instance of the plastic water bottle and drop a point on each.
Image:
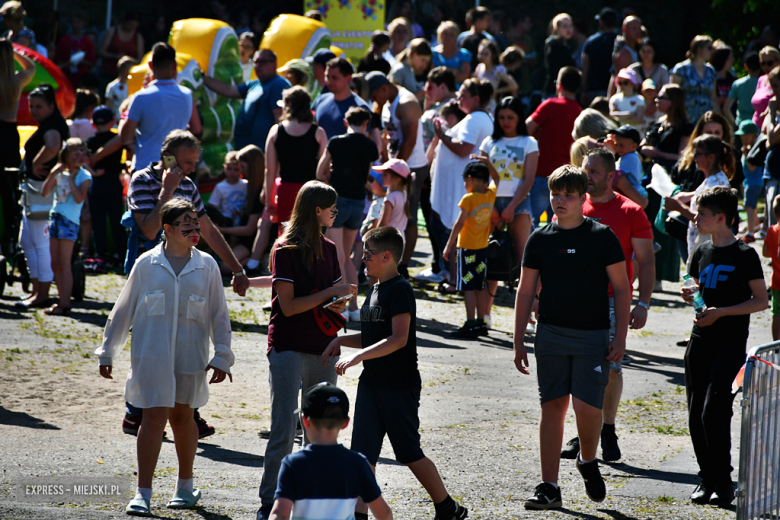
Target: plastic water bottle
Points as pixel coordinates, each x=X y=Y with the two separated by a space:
x=698 y=301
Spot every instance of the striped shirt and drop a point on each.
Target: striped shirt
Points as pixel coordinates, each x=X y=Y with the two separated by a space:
x=144 y=192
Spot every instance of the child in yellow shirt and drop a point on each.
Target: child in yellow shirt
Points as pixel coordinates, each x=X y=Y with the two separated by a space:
x=472 y=232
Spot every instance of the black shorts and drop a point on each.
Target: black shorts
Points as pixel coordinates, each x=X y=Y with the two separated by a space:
x=472 y=269
x=391 y=411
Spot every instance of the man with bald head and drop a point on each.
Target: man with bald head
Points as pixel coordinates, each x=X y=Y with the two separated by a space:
x=626 y=48
x=260 y=110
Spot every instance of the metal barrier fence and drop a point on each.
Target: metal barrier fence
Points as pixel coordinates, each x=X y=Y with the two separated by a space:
x=758 y=490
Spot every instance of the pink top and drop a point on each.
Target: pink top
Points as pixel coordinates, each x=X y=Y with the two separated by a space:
x=398 y=216
x=761 y=99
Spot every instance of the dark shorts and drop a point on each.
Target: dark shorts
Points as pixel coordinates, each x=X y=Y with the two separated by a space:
x=472 y=269
x=572 y=362
x=62 y=228
x=391 y=411
x=350 y=213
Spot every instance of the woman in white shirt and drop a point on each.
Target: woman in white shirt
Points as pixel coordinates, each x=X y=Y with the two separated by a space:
x=174 y=302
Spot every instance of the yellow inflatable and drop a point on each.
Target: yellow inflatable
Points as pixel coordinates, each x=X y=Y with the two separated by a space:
x=291 y=36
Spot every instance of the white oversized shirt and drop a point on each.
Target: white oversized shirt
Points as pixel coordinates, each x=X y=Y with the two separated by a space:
x=172 y=318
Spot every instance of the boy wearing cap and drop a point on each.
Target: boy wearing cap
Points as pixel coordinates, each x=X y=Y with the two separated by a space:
x=754 y=179
x=301 y=493
x=472 y=232
x=105 y=195
x=388 y=396
x=623 y=142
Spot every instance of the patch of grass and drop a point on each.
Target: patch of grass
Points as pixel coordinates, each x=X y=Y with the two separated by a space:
x=456 y=426
x=164 y=472
x=671 y=430
x=665 y=499
x=252 y=416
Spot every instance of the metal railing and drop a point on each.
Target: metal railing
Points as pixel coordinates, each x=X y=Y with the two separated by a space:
x=758 y=490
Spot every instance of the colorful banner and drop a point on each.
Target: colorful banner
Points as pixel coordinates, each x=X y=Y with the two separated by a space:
x=351 y=23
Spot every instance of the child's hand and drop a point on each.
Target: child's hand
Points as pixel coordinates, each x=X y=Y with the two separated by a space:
x=616 y=350
x=521 y=358
x=446 y=253
x=333 y=351
x=480 y=158
x=219 y=375
x=687 y=294
x=343 y=364
x=707 y=317
x=105 y=371
x=344 y=289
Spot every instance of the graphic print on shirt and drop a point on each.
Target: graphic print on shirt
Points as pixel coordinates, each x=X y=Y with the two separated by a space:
x=372 y=313
x=481 y=215
x=508 y=161
x=63 y=187
x=712 y=274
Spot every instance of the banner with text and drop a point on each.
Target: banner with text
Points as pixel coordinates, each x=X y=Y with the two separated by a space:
x=351 y=23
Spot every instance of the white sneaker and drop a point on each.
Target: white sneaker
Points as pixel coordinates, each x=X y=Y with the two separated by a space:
x=428 y=276
x=530 y=328
x=345 y=315
x=488 y=321
x=761 y=235
x=354 y=316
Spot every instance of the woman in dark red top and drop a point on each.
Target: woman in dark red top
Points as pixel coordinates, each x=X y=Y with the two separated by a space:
x=121 y=40
x=305 y=273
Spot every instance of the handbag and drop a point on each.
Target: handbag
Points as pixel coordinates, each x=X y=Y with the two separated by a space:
x=502 y=262
x=36 y=206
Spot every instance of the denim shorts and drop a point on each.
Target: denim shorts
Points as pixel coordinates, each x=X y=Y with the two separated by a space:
x=62 y=228
x=523 y=208
x=752 y=193
x=350 y=213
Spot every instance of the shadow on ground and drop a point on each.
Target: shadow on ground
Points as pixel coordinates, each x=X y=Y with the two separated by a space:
x=25 y=420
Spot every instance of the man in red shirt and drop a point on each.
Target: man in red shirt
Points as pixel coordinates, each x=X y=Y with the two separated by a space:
x=628 y=221
x=552 y=124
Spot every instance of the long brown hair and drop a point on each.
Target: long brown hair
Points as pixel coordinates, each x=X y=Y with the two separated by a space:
x=255 y=172
x=686 y=157
x=676 y=115
x=9 y=90
x=304 y=231
x=724 y=157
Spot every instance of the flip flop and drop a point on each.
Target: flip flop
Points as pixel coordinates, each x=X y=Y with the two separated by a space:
x=183 y=499
x=138 y=507
x=56 y=310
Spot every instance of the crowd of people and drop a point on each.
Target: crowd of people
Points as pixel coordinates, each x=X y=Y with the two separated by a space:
x=333 y=165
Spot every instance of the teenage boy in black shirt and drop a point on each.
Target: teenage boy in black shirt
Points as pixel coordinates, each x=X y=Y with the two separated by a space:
x=575 y=258
x=731 y=282
x=388 y=394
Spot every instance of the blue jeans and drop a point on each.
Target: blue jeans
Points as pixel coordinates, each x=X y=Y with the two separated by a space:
x=350 y=213
x=540 y=200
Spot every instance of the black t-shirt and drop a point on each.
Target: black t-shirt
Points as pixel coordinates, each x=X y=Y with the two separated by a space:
x=386 y=300
x=723 y=274
x=471 y=43
x=599 y=50
x=572 y=265
x=351 y=157
x=36 y=142
x=111 y=165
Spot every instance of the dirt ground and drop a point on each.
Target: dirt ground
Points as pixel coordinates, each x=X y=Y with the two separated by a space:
x=60 y=423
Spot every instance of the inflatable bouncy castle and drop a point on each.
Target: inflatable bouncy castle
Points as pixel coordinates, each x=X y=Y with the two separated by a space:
x=291 y=36
x=45 y=72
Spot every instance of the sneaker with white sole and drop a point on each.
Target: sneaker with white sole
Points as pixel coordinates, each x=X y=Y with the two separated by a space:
x=530 y=328
x=428 y=276
x=546 y=496
x=488 y=321
x=594 y=483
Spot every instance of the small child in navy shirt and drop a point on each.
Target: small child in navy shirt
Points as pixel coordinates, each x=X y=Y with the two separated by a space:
x=325 y=479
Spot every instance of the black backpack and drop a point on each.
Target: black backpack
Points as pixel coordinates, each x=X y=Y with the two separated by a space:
x=502 y=262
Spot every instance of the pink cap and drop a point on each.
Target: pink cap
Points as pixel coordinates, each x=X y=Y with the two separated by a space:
x=630 y=75
x=398 y=166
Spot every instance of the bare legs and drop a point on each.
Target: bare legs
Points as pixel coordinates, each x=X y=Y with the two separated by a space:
x=61 y=254
x=551 y=433
x=345 y=240
x=150 y=435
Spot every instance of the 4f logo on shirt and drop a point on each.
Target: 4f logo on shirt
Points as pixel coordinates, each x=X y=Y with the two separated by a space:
x=712 y=274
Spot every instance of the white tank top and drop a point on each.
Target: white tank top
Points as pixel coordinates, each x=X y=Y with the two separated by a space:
x=394 y=133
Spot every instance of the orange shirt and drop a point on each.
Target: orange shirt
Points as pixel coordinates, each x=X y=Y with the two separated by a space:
x=476 y=230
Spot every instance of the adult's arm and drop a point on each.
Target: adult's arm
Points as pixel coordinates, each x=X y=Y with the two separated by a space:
x=222 y=88
x=217 y=242
x=510 y=86
x=290 y=305
x=621 y=292
x=531 y=125
x=112 y=146
x=323 y=167
x=105 y=42
x=247 y=230
x=127 y=130
x=529 y=176
x=195 y=126
x=24 y=76
x=645 y=257
x=271 y=168
x=52 y=142
x=627 y=189
x=772 y=130
x=459 y=148
x=409 y=114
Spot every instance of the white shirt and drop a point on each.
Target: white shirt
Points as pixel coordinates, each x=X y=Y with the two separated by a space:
x=508 y=158
x=172 y=318
x=229 y=197
x=447 y=173
x=116 y=93
x=694 y=238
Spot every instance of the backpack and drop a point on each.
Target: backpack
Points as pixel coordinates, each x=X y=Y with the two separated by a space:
x=502 y=262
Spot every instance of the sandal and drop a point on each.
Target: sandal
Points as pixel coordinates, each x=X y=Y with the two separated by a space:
x=57 y=310
x=138 y=507
x=184 y=499
x=446 y=288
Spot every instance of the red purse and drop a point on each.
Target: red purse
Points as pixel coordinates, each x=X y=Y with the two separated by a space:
x=329 y=322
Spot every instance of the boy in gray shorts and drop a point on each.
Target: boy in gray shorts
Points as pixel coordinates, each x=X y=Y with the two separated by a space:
x=575 y=258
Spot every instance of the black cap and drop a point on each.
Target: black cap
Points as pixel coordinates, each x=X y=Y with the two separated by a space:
x=608 y=16
x=319 y=398
x=477 y=170
x=375 y=80
x=102 y=115
x=321 y=57
x=628 y=132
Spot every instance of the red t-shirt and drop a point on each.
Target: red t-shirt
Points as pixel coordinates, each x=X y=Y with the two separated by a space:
x=770 y=245
x=626 y=219
x=300 y=332
x=67 y=47
x=555 y=118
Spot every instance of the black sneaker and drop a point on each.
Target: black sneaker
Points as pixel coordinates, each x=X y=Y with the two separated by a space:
x=546 y=496
x=204 y=430
x=469 y=330
x=610 y=451
x=594 y=484
x=481 y=328
x=723 y=495
x=701 y=495
x=459 y=514
x=572 y=449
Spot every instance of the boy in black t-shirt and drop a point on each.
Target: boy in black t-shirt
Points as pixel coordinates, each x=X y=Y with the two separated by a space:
x=731 y=281
x=388 y=394
x=575 y=258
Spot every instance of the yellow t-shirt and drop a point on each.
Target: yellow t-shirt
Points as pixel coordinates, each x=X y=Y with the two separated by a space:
x=476 y=230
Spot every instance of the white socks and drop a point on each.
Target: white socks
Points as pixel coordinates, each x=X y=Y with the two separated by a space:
x=252 y=264
x=553 y=484
x=579 y=456
x=145 y=493
x=184 y=483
